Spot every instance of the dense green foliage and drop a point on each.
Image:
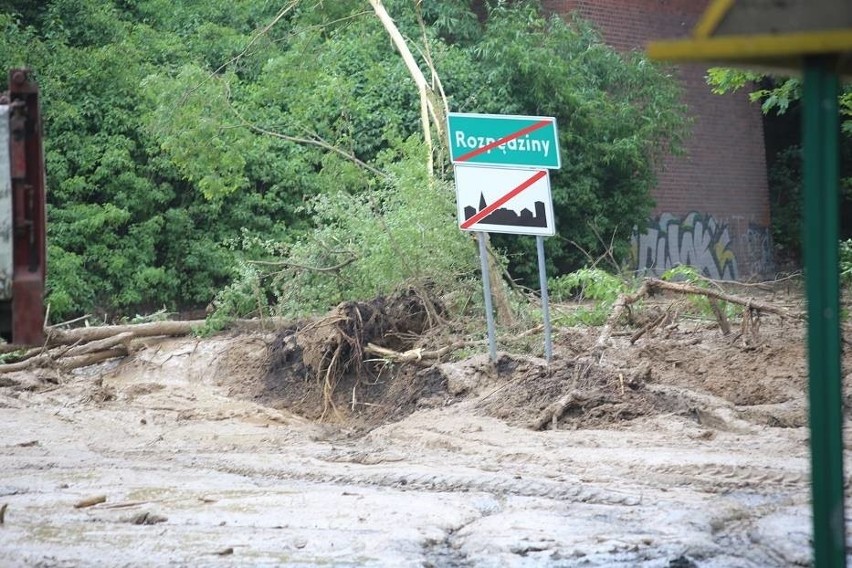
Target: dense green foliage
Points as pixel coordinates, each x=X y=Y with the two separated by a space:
x=126 y=229
x=186 y=139
x=782 y=96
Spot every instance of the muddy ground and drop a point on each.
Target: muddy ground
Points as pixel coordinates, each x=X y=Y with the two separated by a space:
x=685 y=448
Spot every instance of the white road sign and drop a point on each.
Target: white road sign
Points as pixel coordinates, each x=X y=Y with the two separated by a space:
x=504 y=200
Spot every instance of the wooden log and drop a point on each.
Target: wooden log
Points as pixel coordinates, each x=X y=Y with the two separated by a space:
x=152 y=329
x=652 y=285
x=69 y=363
x=45 y=358
x=720 y=316
x=101 y=344
x=417 y=355
x=618 y=309
x=90 y=501
x=87 y=334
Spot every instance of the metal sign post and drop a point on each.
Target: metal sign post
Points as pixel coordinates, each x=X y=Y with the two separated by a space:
x=821 y=173
x=545 y=301
x=486 y=285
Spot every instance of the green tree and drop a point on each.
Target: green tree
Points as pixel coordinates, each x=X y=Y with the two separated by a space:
x=127 y=231
x=185 y=138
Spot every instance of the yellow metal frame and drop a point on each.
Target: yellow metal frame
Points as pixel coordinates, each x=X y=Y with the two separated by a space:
x=744 y=48
x=711 y=18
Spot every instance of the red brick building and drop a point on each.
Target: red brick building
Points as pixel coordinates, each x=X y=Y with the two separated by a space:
x=712 y=205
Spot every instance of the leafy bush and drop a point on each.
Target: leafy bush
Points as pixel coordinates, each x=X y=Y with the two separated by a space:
x=365 y=245
x=593 y=284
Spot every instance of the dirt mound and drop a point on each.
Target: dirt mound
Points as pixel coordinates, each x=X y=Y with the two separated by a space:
x=694 y=372
x=320 y=370
x=571 y=393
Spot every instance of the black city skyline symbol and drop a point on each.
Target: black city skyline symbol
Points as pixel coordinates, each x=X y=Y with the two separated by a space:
x=504 y=216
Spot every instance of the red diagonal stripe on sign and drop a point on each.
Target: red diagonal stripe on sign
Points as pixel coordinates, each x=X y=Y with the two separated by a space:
x=509 y=138
x=496 y=205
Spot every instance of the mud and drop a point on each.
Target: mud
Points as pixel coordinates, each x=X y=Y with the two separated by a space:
x=687 y=448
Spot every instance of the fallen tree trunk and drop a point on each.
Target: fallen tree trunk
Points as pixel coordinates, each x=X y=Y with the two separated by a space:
x=683 y=288
x=78 y=355
x=84 y=346
x=41 y=360
x=69 y=363
x=102 y=344
x=427 y=358
x=417 y=355
x=653 y=285
x=152 y=329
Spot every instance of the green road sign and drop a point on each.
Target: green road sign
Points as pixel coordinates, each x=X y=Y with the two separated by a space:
x=503 y=140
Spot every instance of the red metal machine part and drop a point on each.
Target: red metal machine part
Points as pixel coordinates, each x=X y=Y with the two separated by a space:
x=22 y=317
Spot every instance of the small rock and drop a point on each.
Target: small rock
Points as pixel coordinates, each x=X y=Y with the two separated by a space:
x=682 y=562
x=146 y=518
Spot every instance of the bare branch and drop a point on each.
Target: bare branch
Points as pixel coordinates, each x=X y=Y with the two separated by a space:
x=314 y=141
x=652 y=285
x=286 y=264
x=426 y=102
x=682 y=288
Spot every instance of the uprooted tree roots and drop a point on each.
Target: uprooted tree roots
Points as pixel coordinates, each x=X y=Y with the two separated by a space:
x=363 y=357
x=329 y=354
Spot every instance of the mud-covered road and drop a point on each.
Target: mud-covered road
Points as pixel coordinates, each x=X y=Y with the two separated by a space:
x=190 y=474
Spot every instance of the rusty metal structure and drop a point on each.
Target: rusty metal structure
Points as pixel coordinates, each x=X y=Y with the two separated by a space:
x=23 y=239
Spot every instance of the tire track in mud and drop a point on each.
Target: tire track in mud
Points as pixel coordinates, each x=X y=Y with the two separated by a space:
x=444 y=483
x=715 y=478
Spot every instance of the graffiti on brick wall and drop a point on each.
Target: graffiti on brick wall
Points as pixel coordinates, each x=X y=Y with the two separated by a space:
x=696 y=239
x=759 y=250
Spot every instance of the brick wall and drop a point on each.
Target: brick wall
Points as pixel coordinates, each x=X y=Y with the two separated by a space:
x=722 y=177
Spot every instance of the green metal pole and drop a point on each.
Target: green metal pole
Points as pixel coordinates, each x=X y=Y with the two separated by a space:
x=821 y=170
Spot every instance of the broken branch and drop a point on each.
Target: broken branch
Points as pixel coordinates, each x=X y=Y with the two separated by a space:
x=652 y=285
x=557 y=409
x=683 y=288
